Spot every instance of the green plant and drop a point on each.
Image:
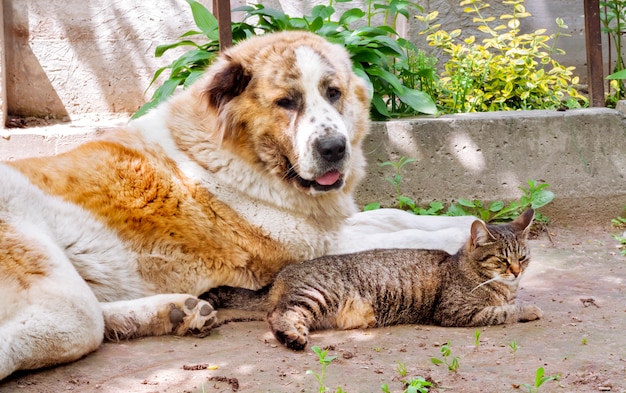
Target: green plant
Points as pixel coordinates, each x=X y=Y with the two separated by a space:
x=325 y=361
x=451 y=362
x=613 y=23
x=535 y=196
x=620 y=223
x=584 y=341
x=514 y=347
x=396 y=179
x=401 y=369
x=476 y=339
x=622 y=241
x=509 y=70
x=540 y=379
x=415 y=385
x=379 y=55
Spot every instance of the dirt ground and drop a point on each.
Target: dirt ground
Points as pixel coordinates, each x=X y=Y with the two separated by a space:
x=578 y=278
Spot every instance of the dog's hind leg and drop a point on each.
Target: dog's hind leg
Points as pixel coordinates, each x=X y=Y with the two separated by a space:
x=178 y=314
x=48 y=314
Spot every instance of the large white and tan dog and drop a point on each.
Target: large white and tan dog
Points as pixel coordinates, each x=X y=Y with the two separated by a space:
x=251 y=168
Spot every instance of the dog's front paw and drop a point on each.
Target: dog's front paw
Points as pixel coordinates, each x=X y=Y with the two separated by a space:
x=193 y=317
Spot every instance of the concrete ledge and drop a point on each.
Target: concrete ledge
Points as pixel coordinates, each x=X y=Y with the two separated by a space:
x=580 y=153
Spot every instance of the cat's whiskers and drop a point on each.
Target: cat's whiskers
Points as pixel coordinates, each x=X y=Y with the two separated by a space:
x=485 y=283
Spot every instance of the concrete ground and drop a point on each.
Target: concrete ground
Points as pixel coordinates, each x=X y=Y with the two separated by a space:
x=577 y=277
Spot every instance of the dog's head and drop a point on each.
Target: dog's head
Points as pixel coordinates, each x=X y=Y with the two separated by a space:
x=290 y=103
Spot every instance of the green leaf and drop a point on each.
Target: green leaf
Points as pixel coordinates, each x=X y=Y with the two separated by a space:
x=404 y=200
x=204 y=20
x=496 y=206
x=371 y=206
x=456 y=210
x=380 y=106
x=541 y=198
x=466 y=203
x=387 y=77
x=192 y=59
x=316 y=24
x=418 y=100
x=322 y=11
x=436 y=361
x=193 y=76
x=618 y=75
x=352 y=15
x=158 y=52
x=160 y=95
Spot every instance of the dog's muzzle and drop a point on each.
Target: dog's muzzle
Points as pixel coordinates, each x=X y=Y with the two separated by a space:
x=330 y=154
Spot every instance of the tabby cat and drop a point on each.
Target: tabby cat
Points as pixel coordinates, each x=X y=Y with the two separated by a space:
x=474 y=287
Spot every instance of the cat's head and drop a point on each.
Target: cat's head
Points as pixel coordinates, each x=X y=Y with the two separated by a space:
x=500 y=252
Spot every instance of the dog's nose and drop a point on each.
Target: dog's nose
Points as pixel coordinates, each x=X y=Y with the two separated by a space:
x=332 y=149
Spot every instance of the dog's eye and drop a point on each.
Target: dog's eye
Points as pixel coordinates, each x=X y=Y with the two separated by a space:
x=286 y=103
x=333 y=94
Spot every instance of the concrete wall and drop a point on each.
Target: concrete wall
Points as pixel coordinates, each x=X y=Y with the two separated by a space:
x=64 y=59
x=580 y=153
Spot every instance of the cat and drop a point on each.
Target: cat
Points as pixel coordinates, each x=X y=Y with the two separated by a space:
x=382 y=287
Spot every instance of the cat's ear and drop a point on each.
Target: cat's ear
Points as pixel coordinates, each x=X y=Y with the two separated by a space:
x=524 y=220
x=480 y=235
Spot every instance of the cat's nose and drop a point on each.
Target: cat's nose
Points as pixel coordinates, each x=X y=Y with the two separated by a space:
x=514 y=270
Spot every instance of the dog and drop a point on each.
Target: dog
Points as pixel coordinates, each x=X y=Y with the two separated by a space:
x=251 y=168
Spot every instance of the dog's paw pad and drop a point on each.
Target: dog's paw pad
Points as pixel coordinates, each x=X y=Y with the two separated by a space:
x=194 y=317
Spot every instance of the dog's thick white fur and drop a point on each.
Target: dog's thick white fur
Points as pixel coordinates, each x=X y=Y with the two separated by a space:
x=251 y=168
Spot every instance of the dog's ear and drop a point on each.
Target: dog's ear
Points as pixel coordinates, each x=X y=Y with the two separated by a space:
x=228 y=82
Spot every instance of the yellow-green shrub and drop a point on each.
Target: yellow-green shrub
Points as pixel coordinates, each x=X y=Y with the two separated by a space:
x=508 y=70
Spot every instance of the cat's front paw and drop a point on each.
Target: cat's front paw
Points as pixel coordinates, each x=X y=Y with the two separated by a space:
x=291 y=333
x=530 y=313
x=291 y=339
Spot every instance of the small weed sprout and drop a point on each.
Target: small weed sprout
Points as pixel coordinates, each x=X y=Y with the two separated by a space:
x=540 y=379
x=584 y=341
x=415 y=385
x=620 y=223
x=396 y=179
x=514 y=347
x=401 y=369
x=324 y=360
x=451 y=362
x=476 y=339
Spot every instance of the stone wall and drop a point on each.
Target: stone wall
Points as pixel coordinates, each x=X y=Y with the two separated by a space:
x=65 y=59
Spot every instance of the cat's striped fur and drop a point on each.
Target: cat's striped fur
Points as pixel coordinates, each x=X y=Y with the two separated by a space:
x=475 y=287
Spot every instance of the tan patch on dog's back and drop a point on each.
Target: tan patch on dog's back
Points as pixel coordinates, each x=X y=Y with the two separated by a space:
x=20 y=262
x=179 y=229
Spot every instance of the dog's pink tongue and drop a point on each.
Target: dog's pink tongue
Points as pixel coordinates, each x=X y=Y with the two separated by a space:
x=328 y=179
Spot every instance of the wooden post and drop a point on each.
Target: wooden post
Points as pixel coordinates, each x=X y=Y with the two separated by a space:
x=3 y=75
x=593 y=41
x=221 y=9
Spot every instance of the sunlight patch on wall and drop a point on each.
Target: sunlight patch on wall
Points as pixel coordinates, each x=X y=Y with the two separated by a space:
x=401 y=137
x=469 y=155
